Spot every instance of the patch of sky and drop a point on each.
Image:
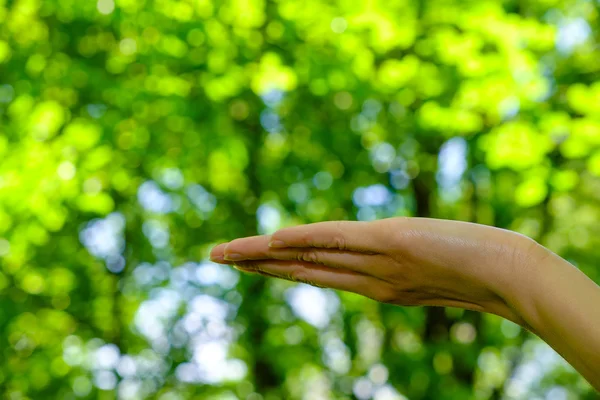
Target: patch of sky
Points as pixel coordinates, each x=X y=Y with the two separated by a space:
x=273 y=97
x=270 y=121
x=153 y=199
x=103 y=238
x=312 y=304
x=452 y=164
x=201 y=198
x=571 y=33
x=268 y=218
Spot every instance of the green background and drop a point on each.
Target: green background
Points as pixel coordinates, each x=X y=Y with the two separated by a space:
x=136 y=135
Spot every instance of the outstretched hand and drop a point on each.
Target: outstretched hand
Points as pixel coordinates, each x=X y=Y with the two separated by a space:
x=404 y=261
x=421 y=261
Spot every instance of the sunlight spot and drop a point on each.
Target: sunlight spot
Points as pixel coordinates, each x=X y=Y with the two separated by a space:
x=105 y=380
x=337 y=356
x=571 y=33
x=452 y=166
x=172 y=178
x=273 y=97
x=387 y=392
x=382 y=156
x=363 y=388
x=129 y=389
x=374 y=195
x=105 y=6
x=128 y=46
x=126 y=366
x=157 y=233
x=270 y=121
x=4 y=247
x=209 y=273
x=107 y=356
x=339 y=25
x=314 y=305
x=269 y=219
x=298 y=192
x=103 y=237
x=152 y=198
x=322 y=180
x=66 y=170
x=378 y=374
x=366 y=214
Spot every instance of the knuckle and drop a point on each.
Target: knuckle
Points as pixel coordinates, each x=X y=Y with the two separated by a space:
x=299 y=275
x=309 y=256
x=397 y=228
x=339 y=240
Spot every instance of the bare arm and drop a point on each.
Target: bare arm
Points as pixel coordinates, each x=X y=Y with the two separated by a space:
x=562 y=305
x=421 y=261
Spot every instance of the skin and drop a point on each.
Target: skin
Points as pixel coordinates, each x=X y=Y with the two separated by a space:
x=430 y=262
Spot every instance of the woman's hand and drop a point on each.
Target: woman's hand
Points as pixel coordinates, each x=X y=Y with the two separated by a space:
x=405 y=261
x=420 y=261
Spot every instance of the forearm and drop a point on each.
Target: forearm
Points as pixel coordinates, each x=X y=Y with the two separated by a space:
x=561 y=305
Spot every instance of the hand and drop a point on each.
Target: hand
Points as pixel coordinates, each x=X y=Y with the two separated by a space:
x=404 y=261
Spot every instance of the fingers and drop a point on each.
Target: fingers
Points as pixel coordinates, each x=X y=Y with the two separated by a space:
x=240 y=246
x=322 y=276
x=256 y=248
x=253 y=271
x=358 y=236
x=253 y=247
x=216 y=253
x=333 y=258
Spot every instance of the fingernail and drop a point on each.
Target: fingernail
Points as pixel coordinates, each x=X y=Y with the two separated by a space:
x=233 y=256
x=276 y=243
x=216 y=258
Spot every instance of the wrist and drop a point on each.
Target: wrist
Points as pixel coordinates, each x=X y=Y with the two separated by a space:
x=516 y=279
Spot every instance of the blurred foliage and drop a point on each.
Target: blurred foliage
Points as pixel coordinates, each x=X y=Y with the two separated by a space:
x=137 y=134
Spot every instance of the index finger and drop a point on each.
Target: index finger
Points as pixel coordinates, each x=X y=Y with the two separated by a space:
x=359 y=236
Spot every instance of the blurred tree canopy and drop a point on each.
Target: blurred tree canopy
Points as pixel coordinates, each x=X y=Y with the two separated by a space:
x=137 y=134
